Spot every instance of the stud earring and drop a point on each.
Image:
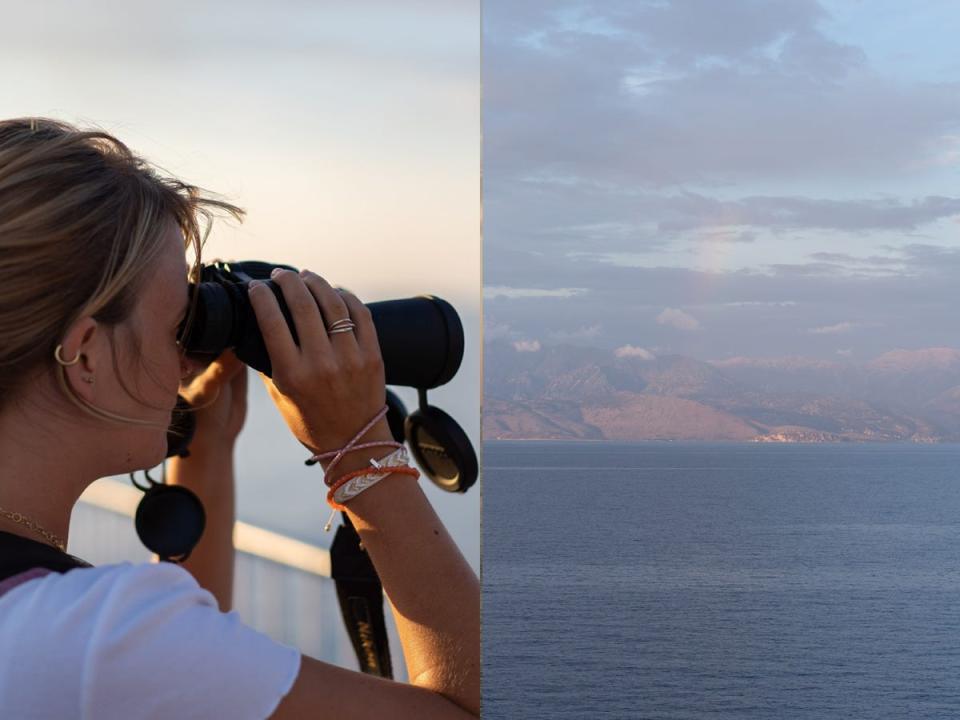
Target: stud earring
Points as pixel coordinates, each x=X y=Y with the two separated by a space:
x=87 y=379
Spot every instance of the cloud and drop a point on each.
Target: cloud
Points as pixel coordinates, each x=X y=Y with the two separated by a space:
x=839 y=328
x=845 y=353
x=495 y=331
x=950 y=152
x=691 y=211
x=527 y=345
x=678 y=319
x=619 y=135
x=631 y=351
x=727 y=90
x=495 y=291
x=772 y=100
x=847 y=259
x=581 y=333
x=541 y=221
x=761 y=303
x=750 y=312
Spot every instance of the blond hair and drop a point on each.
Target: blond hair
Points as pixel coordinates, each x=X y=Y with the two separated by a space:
x=82 y=219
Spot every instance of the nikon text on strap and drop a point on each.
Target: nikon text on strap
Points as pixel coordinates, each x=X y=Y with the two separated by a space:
x=361 y=601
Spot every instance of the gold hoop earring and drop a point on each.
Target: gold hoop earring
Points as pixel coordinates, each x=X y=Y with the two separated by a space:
x=56 y=354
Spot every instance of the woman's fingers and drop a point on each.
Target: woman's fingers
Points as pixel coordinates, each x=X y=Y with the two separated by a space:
x=273 y=327
x=203 y=384
x=224 y=368
x=331 y=386
x=334 y=366
x=334 y=311
x=365 y=331
x=311 y=332
x=279 y=399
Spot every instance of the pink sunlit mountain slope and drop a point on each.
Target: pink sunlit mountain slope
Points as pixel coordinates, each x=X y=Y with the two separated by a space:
x=566 y=392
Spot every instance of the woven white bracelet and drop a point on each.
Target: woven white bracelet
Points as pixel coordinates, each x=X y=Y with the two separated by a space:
x=355 y=486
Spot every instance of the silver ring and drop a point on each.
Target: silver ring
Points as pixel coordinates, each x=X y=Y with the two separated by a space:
x=342 y=321
x=339 y=330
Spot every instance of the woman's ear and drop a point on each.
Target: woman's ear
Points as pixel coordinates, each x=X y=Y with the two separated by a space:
x=83 y=355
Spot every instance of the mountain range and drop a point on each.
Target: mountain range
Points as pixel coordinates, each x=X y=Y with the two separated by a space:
x=567 y=392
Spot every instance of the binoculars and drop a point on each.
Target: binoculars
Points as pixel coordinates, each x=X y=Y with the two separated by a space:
x=421 y=342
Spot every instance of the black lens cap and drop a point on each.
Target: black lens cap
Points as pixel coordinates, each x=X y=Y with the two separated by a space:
x=170 y=520
x=441 y=449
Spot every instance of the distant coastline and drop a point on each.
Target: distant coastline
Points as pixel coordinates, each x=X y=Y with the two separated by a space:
x=586 y=394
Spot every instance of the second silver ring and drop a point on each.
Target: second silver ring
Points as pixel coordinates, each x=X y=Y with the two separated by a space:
x=340 y=330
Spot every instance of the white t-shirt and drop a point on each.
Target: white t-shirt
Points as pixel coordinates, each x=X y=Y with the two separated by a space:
x=133 y=641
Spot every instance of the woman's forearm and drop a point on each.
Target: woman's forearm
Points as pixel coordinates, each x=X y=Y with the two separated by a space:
x=434 y=593
x=209 y=474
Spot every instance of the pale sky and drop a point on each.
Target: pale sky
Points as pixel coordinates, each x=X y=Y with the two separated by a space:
x=349 y=132
x=747 y=177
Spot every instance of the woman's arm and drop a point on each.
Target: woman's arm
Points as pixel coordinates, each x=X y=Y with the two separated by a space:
x=209 y=474
x=434 y=594
x=327 y=388
x=436 y=602
x=219 y=396
x=322 y=690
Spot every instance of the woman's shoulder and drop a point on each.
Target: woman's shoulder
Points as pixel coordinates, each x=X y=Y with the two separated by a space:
x=74 y=589
x=75 y=608
x=92 y=631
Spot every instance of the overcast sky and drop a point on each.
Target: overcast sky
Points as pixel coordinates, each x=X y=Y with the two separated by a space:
x=747 y=177
x=350 y=132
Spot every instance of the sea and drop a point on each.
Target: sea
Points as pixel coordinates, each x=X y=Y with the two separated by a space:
x=668 y=580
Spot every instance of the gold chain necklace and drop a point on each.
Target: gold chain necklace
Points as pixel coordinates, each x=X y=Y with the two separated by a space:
x=34 y=527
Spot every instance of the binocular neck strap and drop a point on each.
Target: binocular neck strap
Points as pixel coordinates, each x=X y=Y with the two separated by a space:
x=360 y=595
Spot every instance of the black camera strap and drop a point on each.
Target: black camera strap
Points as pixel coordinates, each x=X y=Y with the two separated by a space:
x=19 y=555
x=361 y=600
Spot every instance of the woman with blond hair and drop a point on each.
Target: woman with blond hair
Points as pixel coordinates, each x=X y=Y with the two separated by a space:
x=93 y=298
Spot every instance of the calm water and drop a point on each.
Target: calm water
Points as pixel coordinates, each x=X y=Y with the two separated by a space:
x=723 y=581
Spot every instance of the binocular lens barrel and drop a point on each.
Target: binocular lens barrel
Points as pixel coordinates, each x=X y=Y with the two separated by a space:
x=421 y=338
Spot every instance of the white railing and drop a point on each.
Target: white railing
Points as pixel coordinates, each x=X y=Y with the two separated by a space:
x=282 y=586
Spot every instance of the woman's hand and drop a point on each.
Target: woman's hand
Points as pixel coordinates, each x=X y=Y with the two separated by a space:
x=223 y=384
x=327 y=389
x=330 y=386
